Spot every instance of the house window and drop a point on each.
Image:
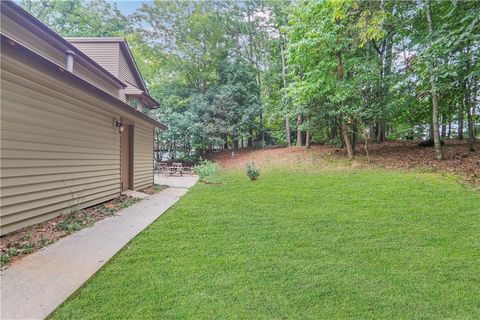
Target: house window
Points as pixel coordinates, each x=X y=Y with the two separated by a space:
x=133 y=103
x=145 y=109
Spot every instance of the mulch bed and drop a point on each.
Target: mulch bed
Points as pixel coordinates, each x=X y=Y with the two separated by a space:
x=15 y=245
x=408 y=154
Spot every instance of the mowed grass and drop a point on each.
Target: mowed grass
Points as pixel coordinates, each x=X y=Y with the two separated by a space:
x=299 y=245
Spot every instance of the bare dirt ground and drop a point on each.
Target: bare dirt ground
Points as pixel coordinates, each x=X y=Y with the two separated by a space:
x=392 y=155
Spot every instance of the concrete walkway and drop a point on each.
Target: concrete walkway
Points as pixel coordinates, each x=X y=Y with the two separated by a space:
x=37 y=284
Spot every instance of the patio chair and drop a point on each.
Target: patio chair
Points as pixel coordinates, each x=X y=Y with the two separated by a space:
x=162 y=167
x=178 y=167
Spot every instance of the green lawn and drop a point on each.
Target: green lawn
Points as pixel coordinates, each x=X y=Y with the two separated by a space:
x=293 y=245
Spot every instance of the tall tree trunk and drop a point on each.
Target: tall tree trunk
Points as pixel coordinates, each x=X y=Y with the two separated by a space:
x=307 y=139
x=430 y=131
x=444 y=125
x=174 y=148
x=333 y=131
x=250 y=138
x=374 y=131
x=380 y=132
x=284 y=83
x=472 y=139
x=449 y=135
x=346 y=139
x=299 y=131
x=461 y=117
x=354 y=136
x=345 y=133
x=433 y=90
x=234 y=144
x=287 y=130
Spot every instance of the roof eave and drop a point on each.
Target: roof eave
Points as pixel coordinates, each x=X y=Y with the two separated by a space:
x=120 y=105
x=133 y=64
x=59 y=42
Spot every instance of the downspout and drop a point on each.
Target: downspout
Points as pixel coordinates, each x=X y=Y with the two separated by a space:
x=70 y=54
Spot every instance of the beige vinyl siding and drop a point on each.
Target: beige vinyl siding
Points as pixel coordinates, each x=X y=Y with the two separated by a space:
x=126 y=73
x=24 y=35
x=97 y=81
x=59 y=150
x=142 y=157
x=103 y=53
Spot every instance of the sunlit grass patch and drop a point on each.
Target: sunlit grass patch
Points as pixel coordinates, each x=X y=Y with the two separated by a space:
x=300 y=244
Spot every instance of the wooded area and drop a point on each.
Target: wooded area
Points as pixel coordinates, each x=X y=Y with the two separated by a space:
x=255 y=73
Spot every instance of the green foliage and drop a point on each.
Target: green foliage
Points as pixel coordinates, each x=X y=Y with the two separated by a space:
x=346 y=58
x=27 y=248
x=77 y=18
x=231 y=70
x=70 y=224
x=4 y=259
x=253 y=172
x=12 y=251
x=206 y=170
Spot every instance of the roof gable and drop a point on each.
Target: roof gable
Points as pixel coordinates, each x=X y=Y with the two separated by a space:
x=31 y=32
x=127 y=68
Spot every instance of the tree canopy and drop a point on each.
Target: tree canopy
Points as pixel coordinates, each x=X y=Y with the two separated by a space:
x=232 y=73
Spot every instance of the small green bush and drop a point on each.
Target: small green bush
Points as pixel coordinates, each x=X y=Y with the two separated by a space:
x=27 y=248
x=4 y=259
x=12 y=251
x=252 y=172
x=205 y=170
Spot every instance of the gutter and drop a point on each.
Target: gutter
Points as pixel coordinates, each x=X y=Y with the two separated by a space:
x=63 y=45
x=118 y=104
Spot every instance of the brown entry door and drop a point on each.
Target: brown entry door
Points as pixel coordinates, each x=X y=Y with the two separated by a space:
x=126 y=159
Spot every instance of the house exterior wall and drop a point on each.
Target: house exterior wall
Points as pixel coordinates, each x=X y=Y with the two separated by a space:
x=59 y=149
x=125 y=73
x=105 y=54
x=28 y=35
x=111 y=57
x=142 y=157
